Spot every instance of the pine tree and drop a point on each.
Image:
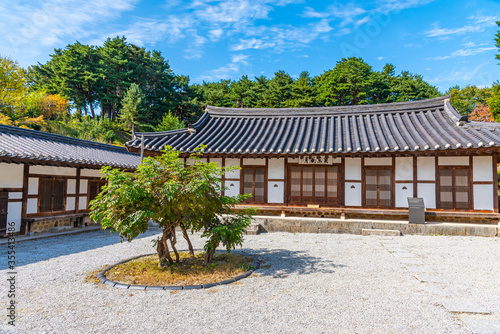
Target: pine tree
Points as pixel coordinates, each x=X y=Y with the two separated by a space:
x=133 y=107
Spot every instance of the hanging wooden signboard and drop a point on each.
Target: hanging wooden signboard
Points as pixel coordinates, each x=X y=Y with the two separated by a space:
x=316 y=160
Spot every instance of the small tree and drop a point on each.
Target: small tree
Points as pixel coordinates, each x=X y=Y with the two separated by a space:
x=175 y=196
x=169 y=122
x=133 y=107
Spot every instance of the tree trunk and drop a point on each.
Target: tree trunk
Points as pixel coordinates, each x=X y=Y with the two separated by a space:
x=209 y=256
x=173 y=241
x=185 y=235
x=163 y=251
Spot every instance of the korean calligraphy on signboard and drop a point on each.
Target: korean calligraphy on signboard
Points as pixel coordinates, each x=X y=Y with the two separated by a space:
x=316 y=160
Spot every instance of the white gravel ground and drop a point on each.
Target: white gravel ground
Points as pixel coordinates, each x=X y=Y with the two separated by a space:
x=309 y=283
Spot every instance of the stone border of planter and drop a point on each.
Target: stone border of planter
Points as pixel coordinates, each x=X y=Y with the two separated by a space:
x=106 y=281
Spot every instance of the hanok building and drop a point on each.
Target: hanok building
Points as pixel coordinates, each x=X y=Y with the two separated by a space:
x=352 y=160
x=47 y=180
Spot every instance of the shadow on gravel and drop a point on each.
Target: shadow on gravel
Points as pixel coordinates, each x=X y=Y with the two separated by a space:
x=33 y=251
x=282 y=262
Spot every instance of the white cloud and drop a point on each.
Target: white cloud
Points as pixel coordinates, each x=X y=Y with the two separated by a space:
x=477 y=24
x=387 y=6
x=464 y=53
x=227 y=71
x=149 y=31
x=34 y=25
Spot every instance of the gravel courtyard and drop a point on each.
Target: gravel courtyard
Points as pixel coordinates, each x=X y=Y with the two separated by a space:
x=308 y=283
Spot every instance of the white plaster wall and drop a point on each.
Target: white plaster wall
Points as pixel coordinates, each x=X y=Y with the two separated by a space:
x=15 y=195
x=403 y=194
x=254 y=161
x=336 y=160
x=70 y=203
x=378 y=161
x=14 y=210
x=427 y=191
x=353 y=169
x=483 y=197
x=233 y=188
x=275 y=192
x=482 y=169
x=218 y=161
x=91 y=172
x=83 y=186
x=11 y=175
x=276 y=169
x=404 y=169
x=82 y=203
x=353 y=195
x=190 y=162
x=426 y=169
x=32 y=206
x=33 y=186
x=235 y=174
x=51 y=170
x=293 y=160
x=71 y=186
x=453 y=161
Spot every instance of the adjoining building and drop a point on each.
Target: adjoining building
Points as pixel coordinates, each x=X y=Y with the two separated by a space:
x=354 y=160
x=47 y=180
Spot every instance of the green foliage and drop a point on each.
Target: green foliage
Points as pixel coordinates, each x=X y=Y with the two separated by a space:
x=173 y=195
x=133 y=107
x=497 y=41
x=494 y=102
x=466 y=99
x=228 y=232
x=349 y=83
x=13 y=86
x=169 y=122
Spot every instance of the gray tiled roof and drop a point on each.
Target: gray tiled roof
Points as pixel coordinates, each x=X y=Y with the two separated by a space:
x=425 y=125
x=23 y=144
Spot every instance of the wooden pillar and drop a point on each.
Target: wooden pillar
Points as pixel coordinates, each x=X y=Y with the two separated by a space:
x=495 y=183
x=24 y=206
x=77 y=190
x=415 y=177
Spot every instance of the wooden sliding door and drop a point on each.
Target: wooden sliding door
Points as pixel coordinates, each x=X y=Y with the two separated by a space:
x=378 y=187
x=254 y=183
x=454 y=188
x=313 y=185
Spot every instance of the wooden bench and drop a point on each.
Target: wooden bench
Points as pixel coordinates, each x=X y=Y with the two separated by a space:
x=27 y=223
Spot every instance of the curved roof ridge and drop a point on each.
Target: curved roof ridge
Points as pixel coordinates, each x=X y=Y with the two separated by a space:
x=363 y=108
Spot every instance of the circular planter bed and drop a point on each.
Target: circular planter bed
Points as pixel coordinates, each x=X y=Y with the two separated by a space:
x=142 y=272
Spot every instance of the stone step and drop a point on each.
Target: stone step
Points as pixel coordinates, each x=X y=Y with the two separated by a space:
x=61 y=228
x=388 y=233
x=253 y=229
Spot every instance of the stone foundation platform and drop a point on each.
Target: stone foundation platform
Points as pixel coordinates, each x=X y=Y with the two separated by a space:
x=356 y=226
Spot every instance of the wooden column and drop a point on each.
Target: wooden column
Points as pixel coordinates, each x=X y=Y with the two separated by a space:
x=415 y=177
x=24 y=206
x=495 y=184
x=77 y=190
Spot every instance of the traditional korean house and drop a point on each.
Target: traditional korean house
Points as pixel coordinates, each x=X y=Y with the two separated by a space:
x=355 y=160
x=47 y=180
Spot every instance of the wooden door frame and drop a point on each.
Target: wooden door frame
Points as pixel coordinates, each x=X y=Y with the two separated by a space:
x=438 y=186
x=288 y=186
x=6 y=192
x=392 y=186
x=242 y=181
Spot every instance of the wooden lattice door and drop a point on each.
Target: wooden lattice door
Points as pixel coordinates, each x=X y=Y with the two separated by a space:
x=378 y=187
x=313 y=185
x=4 y=202
x=254 y=183
x=454 y=188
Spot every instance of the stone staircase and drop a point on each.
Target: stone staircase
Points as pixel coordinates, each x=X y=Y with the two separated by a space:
x=253 y=229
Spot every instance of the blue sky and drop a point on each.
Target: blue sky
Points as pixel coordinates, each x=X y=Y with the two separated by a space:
x=448 y=42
